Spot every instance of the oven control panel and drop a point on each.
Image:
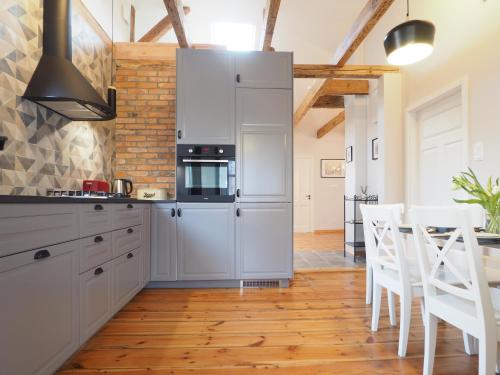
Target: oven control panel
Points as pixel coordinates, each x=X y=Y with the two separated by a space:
x=206 y=150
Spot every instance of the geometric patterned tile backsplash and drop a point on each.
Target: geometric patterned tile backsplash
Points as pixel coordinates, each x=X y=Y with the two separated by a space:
x=44 y=150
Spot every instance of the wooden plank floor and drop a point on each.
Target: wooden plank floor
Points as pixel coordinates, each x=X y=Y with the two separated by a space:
x=320 y=325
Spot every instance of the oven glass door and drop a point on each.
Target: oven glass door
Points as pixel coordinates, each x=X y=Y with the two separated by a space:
x=209 y=179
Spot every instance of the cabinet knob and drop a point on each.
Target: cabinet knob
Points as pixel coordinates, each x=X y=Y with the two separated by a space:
x=179 y=134
x=98 y=207
x=41 y=254
x=130 y=255
x=238 y=193
x=238 y=212
x=98 y=239
x=172 y=212
x=130 y=230
x=130 y=205
x=238 y=78
x=98 y=271
x=179 y=212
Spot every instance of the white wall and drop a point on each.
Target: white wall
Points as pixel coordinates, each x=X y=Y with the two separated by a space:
x=327 y=193
x=102 y=12
x=466 y=45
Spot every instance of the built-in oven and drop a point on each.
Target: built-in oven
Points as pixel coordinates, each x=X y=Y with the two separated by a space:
x=206 y=173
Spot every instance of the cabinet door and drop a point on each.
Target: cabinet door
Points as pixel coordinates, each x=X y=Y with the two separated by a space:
x=95 y=218
x=95 y=300
x=146 y=248
x=264 y=241
x=205 y=96
x=205 y=241
x=264 y=131
x=126 y=215
x=264 y=70
x=39 y=311
x=164 y=243
x=127 y=278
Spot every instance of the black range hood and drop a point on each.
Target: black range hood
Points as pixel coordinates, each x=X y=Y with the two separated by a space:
x=56 y=83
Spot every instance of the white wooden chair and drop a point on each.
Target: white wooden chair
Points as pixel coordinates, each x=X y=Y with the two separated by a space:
x=392 y=269
x=466 y=302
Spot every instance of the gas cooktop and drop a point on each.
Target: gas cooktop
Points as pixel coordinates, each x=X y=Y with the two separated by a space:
x=83 y=194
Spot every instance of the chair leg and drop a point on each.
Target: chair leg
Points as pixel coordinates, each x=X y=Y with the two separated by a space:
x=404 y=328
x=377 y=296
x=487 y=353
x=392 y=308
x=469 y=343
x=369 y=284
x=430 y=343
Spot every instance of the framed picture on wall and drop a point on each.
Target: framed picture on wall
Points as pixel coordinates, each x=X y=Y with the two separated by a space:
x=348 y=154
x=375 y=149
x=332 y=168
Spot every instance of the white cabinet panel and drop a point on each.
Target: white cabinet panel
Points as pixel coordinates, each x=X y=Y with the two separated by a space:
x=39 y=312
x=164 y=243
x=29 y=226
x=127 y=215
x=264 y=241
x=95 y=218
x=146 y=248
x=95 y=300
x=205 y=241
x=264 y=69
x=127 y=240
x=205 y=96
x=94 y=251
x=264 y=131
x=127 y=278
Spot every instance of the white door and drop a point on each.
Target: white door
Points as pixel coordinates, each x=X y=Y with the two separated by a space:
x=440 y=150
x=302 y=199
x=164 y=243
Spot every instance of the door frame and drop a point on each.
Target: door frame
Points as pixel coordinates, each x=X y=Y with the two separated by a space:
x=411 y=130
x=310 y=159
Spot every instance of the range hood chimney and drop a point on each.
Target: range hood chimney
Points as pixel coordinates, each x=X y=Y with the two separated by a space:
x=56 y=83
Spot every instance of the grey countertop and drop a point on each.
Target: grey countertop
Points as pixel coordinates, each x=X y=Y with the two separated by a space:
x=41 y=199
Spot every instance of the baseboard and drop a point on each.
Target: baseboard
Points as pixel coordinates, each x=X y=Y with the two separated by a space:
x=329 y=231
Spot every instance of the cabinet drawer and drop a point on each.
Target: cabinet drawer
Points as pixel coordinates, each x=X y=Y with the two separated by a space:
x=39 y=313
x=95 y=218
x=127 y=278
x=126 y=215
x=94 y=251
x=30 y=226
x=127 y=239
x=95 y=299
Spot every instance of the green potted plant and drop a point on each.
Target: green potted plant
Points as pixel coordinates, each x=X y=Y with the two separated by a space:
x=488 y=197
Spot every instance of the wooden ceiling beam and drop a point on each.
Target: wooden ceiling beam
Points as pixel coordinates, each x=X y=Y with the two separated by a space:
x=330 y=125
x=161 y=28
x=175 y=10
x=366 y=20
x=329 y=101
x=132 y=24
x=270 y=16
x=338 y=71
x=337 y=87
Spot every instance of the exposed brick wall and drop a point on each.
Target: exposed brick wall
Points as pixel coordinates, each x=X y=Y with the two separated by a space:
x=145 y=126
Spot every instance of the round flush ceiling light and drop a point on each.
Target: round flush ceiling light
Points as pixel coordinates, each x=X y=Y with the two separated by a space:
x=409 y=42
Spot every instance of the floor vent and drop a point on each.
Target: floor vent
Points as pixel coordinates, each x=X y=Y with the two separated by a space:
x=260 y=284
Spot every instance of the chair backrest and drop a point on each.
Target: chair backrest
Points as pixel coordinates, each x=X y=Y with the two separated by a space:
x=383 y=241
x=461 y=262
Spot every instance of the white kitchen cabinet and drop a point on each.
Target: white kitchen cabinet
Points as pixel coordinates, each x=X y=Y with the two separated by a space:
x=39 y=312
x=126 y=215
x=205 y=96
x=128 y=239
x=205 y=241
x=127 y=278
x=95 y=300
x=264 y=69
x=146 y=246
x=164 y=243
x=95 y=218
x=94 y=251
x=264 y=241
x=264 y=147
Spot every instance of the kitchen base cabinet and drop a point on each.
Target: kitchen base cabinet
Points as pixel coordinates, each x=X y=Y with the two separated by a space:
x=127 y=277
x=164 y=243
x=95 y=300
x=39 y=312
x=146 y=246
x=264 y=241
x=205 y=241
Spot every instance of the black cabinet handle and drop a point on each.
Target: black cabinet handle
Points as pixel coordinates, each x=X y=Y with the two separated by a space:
x=130 y=230
x=98 y=207
x=98 y=239
x=130 y=255
x=179 y=134
x=238 y=78
x=179 y=212
x=172 y=212
x=130 y=205
x=238 y=212
x=98 y=271
x=238 y=193
x=41 y=254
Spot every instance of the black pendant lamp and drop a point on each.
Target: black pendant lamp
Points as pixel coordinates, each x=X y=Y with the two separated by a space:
x=410 y=41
